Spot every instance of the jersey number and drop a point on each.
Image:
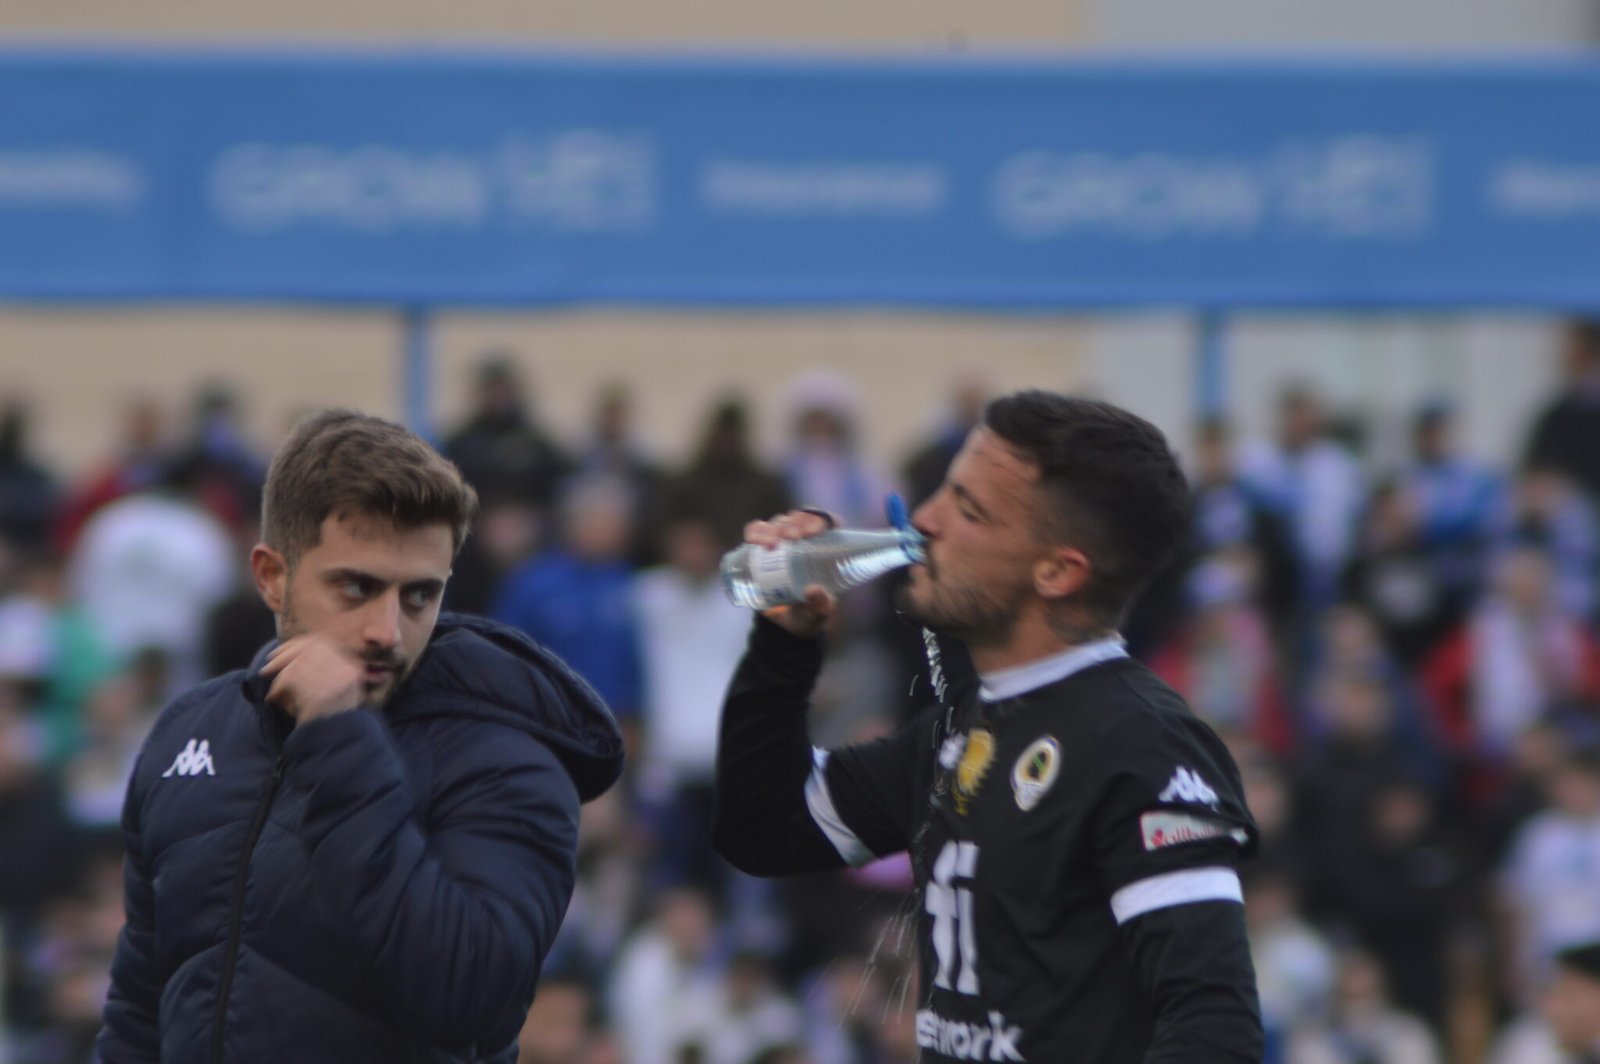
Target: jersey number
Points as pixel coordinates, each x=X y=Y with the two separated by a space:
x=951 y=909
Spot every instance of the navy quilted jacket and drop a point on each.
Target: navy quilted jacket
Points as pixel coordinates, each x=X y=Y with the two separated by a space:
x=368 y=887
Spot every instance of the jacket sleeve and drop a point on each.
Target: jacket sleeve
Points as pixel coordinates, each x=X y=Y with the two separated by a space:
x=130 y=1028
x=455 y=916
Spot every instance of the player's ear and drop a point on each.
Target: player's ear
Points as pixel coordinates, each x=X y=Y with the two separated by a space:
x=270 y=571
x=1061 y=573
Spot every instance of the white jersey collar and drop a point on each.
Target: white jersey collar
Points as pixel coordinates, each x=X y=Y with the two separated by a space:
x=1020 y=679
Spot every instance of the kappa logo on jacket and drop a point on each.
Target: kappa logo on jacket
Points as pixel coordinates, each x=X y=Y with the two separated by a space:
x=1187 y=786
x=193 y=760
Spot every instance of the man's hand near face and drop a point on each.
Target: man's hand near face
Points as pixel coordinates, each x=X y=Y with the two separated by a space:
x=312 y=678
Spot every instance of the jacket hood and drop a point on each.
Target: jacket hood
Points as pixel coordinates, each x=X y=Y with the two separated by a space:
x=477 y=667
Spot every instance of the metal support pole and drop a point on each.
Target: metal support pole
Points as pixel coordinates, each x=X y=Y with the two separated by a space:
x=1211 y=365
x=417 y=370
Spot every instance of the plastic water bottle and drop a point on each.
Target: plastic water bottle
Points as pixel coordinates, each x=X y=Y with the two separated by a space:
x=761 y=578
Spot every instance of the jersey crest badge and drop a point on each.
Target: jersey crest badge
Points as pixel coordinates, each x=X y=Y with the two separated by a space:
x=975 y=762
x=1035 y=772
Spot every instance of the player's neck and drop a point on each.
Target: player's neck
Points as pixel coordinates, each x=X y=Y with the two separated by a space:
x=1027 y=643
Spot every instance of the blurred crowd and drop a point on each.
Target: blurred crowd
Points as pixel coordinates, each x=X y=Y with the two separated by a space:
x=1405 y=661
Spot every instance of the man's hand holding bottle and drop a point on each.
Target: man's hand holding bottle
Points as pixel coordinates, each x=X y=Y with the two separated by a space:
x=810 y=617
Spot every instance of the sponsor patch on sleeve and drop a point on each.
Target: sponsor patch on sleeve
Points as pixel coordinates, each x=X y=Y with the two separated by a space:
x=1162 y=828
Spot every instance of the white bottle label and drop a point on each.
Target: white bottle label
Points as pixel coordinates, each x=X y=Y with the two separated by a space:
x=769 y=569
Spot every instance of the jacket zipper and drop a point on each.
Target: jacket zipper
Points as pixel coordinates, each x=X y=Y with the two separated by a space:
x=236 y=909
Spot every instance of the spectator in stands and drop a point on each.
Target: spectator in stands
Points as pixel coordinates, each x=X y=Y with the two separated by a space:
x=612 y=452
x=1566 y=435
x=147 y=571
x=824 y=465
x=1365 y=1026
x=118 y=715
x=1271 y=797
x=509 y=533
x=65 y=961
x=138 y=461
x=1537 y=753
x=1398 y=580
x=1230 y=513
x=560 y=1026
x=1545 y=509
x=1565 y=1029
x=736 y=1018
x=1548 y=883
x=1222 y=659
x=692 y=638
x=502 y=450
x=1455 y=498
x=1295 y=966
x=1315 y=483
x=1528 y=1039
x=724 y=483
x=217 y=462
x=65 y=654
x=35 y=832
x=1341 y=777
x=1519 y=656
x=662 y=968
x=576 y=599
x=28 y=493
x=1348 y=643
x=1572 y=1004
x=1402 y=889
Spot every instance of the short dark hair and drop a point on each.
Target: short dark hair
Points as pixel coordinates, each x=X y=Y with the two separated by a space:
x=1111 y=486
x=340 y=463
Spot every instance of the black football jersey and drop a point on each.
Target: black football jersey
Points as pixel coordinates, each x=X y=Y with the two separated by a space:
x=1043 y=827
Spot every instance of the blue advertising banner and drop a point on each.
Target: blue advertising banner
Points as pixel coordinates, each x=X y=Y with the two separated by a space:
x=511 y=180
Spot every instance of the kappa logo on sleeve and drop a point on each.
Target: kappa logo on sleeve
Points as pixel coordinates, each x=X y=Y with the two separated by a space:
x=1187 y=786
x=1161 y=829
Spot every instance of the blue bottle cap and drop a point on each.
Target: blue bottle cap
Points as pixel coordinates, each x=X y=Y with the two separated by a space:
x=899 y=520
x=896 y=508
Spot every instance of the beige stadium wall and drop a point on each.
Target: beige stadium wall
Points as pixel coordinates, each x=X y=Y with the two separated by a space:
x=79 y=367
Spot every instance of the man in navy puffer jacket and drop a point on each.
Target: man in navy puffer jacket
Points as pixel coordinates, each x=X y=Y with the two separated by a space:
x=361 y=847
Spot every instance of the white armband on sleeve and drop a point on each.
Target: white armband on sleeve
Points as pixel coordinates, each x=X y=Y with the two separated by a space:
x=1176 y=888
x=826 y=816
